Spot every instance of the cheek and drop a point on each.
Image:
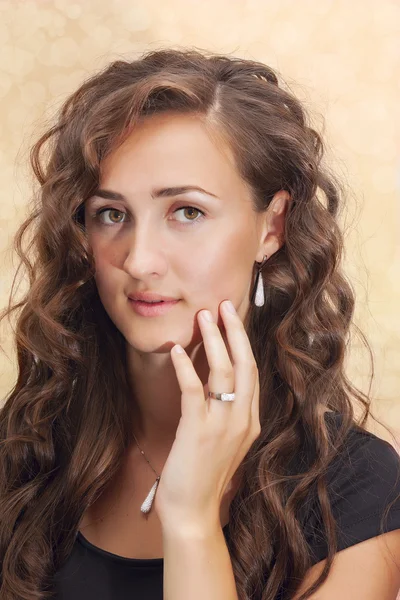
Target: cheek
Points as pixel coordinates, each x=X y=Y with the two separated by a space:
x=221 y=271
x=105 y=275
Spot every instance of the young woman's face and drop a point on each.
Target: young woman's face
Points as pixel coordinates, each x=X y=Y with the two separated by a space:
x=198 y=247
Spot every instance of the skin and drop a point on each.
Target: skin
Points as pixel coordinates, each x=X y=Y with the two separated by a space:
x=202 y=265
x=179 y=253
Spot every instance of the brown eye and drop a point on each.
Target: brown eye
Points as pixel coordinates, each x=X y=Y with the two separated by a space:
x=191 y=214
x=190 y=210
x=112 y=211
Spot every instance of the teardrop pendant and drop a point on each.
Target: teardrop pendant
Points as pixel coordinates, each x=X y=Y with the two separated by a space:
x=259 y=299
x=147 y=504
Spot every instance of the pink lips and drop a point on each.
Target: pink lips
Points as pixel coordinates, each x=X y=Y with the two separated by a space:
x=146 y=309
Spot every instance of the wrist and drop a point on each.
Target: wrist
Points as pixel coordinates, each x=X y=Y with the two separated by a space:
x=190 y=527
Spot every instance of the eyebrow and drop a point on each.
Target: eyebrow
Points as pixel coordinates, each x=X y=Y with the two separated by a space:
x=156 y=193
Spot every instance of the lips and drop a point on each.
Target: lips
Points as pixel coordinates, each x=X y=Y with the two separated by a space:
x=149 y=298
x=152 y=309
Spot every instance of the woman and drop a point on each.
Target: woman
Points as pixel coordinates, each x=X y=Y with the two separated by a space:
x=236 y=468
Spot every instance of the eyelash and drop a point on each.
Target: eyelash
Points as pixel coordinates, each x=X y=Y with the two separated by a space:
x=102 y=210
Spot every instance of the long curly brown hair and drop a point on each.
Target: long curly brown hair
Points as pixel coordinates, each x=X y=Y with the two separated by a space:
x=65 y=426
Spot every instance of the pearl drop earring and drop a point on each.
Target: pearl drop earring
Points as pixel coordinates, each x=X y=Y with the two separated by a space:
x=259 y=297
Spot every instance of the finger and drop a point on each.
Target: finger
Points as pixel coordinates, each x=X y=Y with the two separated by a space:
x=222 y=376
x=192 y=393
x=255 y=405
x=244 y=363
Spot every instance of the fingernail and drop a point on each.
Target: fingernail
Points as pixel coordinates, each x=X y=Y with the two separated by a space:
x=230 y=307
x=207 y=315
x=178 y=349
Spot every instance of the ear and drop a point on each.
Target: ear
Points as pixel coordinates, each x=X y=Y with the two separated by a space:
x=273 y=225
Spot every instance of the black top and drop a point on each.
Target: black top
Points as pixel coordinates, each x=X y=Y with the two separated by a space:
x=361 y=481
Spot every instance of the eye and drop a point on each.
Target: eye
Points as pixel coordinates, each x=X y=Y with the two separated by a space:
x=98 y=214
x=190 y=209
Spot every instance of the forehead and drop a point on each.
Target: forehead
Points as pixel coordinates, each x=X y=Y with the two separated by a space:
x=169 y=150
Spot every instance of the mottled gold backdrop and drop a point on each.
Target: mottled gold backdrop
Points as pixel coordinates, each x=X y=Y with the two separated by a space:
x=340 y=57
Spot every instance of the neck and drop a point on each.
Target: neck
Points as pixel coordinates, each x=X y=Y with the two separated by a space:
x=156 y=395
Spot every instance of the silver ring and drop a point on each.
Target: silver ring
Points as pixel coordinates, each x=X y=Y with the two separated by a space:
x=223 y=397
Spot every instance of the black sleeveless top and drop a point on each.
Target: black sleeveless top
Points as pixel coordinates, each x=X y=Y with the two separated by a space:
x=361 y=481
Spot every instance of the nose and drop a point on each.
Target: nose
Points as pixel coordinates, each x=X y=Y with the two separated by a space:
x=144 y=255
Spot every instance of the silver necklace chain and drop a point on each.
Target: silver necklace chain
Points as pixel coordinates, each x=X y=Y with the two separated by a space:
x=148 y=502
x=145 y=457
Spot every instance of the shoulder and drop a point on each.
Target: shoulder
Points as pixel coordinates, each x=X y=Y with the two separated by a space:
x=363 y=484
x=364 y=489
x=367 y=570
x=366 y=470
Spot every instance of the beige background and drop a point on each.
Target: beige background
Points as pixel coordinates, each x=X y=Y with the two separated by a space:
x=340 y=57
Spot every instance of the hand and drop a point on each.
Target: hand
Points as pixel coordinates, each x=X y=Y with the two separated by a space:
x=212 y=437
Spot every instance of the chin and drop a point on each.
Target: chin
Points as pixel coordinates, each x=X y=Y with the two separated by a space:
x=157 y=343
